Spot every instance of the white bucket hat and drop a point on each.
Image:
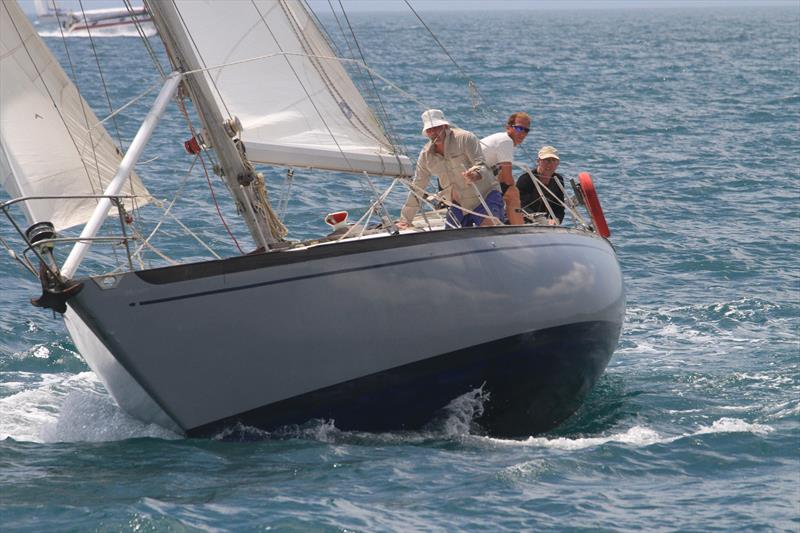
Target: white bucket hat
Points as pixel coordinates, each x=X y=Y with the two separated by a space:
x=432 y=118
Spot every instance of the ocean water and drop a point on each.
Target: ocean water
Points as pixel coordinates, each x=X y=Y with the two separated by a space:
x=688 y=120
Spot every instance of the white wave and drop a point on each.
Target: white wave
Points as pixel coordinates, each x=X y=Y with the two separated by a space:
x=734 y=408
x=637 y=436
x=319 y=430
x=461 y=411
x=69 y=408
x=734 y=425
x=775 y=380
x=783 y=410
x=41 y=351
x=23 y=414
x=527 y=470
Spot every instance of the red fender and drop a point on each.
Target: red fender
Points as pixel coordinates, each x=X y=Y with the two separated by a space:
x=593 y=204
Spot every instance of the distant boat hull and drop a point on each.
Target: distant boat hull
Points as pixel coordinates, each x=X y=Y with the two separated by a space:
x=121 y=22
x=377 y=334
x=106 y=19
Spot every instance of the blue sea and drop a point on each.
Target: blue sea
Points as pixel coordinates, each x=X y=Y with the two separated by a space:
x=689 y=121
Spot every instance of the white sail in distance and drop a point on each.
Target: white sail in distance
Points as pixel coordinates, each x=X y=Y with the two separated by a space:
x=50 y=141
x=297 y=104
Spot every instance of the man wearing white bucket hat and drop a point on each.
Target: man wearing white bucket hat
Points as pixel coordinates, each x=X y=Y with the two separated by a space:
x=468 y=185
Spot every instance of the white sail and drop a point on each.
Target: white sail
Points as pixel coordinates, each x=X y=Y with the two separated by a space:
x=43 y=7
x=297 y=104
x=50 y=140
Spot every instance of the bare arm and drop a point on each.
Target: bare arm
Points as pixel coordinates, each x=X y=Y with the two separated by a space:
x=505 y=176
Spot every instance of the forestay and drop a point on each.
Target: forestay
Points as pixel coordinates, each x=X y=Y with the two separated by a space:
x=296 y=102
x=41 y=112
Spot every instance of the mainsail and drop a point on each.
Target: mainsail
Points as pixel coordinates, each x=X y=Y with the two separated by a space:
x=41 y=112
x=271 y=67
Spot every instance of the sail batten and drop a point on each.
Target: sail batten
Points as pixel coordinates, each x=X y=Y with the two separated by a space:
x=294 y=99
x=52 y=143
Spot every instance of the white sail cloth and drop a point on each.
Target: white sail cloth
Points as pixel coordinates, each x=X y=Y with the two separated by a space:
x=50 y=141
x=297 y=104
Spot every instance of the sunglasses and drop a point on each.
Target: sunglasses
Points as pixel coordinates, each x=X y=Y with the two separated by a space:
x=520 y=129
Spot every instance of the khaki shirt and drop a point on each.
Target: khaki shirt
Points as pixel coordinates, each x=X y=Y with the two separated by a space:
x=462 y=150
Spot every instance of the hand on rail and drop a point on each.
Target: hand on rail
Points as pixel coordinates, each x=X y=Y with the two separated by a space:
x=472 y=174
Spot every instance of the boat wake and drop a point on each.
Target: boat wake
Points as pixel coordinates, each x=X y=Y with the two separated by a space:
x=76 y=408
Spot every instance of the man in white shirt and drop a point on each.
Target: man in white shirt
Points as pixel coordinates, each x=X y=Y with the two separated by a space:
x=498 y=151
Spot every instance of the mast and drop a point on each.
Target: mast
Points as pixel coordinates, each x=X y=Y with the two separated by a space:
x=244 y=183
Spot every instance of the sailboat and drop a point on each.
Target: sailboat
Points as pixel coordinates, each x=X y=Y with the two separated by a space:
x=372 y=327
x=110 y=18
x=100 y=19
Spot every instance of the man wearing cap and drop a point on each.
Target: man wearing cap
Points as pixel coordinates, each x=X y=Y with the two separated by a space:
x=546 y=165
x=455 y=156
x=498 y=149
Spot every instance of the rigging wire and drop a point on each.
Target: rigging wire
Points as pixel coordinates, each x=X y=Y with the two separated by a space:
x=143 y=36
x=411 y=97
x=475 y=94
x=367 y=216
x=127 y=105
x=102 y=77
x=341 y=30
x=83 y=110
x=390 y=129
x=287 y=190
x=355 y=119
x=470 y=83
x=134 y=203
x=185 y=113
x=168 y=213
x=300 y=81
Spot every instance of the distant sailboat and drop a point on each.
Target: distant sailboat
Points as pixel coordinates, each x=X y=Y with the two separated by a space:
x=372 y=327
x=104 y=20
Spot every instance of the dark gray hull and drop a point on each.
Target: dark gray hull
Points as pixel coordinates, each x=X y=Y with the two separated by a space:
x=375 y=334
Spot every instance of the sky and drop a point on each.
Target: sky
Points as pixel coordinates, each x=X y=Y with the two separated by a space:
x=475 y=5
